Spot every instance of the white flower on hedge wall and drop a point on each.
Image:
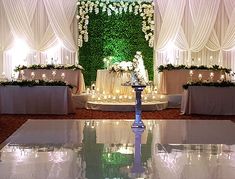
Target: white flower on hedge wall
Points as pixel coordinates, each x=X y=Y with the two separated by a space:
x=146 y=11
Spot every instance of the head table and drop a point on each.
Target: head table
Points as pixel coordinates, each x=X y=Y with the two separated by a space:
x=112 y=82
x=35 y=100
x=171 y=81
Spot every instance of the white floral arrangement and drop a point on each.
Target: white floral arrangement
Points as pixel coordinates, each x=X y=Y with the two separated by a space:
x=144 y=9
x=121 y=67
x=139 y=76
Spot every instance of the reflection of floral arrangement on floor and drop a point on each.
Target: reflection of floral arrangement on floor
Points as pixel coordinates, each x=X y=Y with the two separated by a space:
x=121 y=67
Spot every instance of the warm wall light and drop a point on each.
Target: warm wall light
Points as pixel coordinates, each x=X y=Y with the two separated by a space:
x=19 y=51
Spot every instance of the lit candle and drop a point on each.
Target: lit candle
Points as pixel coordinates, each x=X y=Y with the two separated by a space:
x=32 y=75
x=62 y=75
x=211 y=75
x=105 y=97
x=117 y=91
x=191 y=72
x=88 y=90
x=43 y=76
x=200 y=76
x=53 y=73
x=222 y=77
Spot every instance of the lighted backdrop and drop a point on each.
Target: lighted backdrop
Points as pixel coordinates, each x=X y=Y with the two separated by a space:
x=118 y=36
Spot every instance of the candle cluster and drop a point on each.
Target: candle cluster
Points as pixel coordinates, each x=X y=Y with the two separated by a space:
x=148 y=95
x=210 y=78
x=43 y=76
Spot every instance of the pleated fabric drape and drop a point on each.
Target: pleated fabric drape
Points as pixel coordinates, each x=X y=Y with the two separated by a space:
x=46 y=28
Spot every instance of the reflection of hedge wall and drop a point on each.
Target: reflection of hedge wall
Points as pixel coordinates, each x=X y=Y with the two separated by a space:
x=119 y=36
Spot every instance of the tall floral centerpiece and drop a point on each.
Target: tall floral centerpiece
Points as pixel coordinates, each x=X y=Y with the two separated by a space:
x=139 y=76
x=138 y=82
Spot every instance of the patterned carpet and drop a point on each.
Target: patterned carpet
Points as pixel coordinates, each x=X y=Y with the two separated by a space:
x=10 y=123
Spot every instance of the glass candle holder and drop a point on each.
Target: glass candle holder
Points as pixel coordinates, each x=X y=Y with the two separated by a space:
x=62 y=76
x=32 y=75
x=212 y=76
x=44 y=76
x=200 y=77
x=53 y=74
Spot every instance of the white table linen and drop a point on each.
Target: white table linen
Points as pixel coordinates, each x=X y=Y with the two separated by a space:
x=111 y=82
x=35 y=100
x=208 y=100
x=72 y=77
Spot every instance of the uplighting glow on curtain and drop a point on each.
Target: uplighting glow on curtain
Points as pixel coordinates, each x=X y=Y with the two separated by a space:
x=202 y=32
x=42 y=25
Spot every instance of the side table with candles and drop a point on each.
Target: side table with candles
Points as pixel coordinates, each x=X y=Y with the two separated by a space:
x=171 y=81
x=70 y=76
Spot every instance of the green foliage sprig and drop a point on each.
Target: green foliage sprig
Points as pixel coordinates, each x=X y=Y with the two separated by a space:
x=31 y=83
x=212 y=84
x=202 y=67
x=49 y=67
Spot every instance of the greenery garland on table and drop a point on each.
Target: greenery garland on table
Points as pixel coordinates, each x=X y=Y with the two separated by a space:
x=202 y=67
x=211 y=84
x=48 y=67
x=31 y=83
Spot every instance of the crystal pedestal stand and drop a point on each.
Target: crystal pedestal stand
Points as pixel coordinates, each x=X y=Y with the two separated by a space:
x=138 y=121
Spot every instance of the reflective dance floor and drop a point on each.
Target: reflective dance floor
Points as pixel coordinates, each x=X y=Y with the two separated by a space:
x=105 y=149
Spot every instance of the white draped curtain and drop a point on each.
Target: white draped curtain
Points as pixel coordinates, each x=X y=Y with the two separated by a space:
x=195 y=32
x=34 y=31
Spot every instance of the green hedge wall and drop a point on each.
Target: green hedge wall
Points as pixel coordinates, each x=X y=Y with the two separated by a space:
x=119 y=36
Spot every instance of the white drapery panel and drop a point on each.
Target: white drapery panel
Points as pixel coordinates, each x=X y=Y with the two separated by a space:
x=59 y=23
x=206 y=35
x=18 y=20
x=43 y=25
x=171 y=21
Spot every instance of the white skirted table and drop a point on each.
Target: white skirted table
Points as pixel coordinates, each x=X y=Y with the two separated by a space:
x=72 y=77
x=208 y=100
x=171 y=81
x=111 y=82
x=35 y=100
